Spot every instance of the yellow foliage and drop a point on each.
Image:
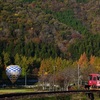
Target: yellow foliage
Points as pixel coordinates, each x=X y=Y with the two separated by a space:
x=92 y=59
x=0 y=28
x=16 y=14
x=83 y=60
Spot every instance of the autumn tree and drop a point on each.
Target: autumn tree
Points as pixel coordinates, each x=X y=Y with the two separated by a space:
x=83 y=60
x=97 y=64
x=24 y=65
x=17 y=59
x=46 y=66
x=7 y=61
x=92 y=59
x=6 y=58
x=83 y=65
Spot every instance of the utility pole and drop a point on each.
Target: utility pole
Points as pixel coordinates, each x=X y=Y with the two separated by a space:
x=25 y=78
x=54 y=78
x=78 y=70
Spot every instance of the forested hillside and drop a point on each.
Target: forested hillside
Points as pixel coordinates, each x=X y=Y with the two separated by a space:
x=34 y=30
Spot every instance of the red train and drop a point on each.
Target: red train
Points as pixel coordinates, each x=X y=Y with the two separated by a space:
x=94 y=80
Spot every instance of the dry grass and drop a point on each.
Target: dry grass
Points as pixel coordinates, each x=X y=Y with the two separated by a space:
x=4 y=91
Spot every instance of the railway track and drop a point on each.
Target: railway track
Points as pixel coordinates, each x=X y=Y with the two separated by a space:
x=14 y=96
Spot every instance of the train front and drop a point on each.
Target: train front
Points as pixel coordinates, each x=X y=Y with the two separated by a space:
x=94 y=80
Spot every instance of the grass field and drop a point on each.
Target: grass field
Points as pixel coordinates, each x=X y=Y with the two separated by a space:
x=79 y=96
x=4 y=91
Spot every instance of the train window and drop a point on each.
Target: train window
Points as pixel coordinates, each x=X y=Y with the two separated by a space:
x=94 y=78
x=98 y=77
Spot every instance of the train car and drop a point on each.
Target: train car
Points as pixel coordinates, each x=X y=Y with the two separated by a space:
x=94 y=80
